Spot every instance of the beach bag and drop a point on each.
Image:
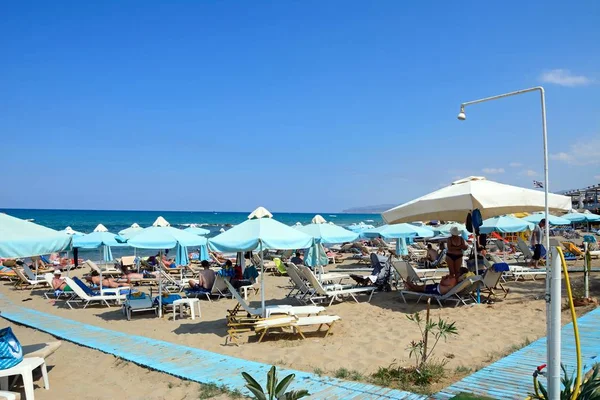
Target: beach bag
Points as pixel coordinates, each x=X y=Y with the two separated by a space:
x=11 y=352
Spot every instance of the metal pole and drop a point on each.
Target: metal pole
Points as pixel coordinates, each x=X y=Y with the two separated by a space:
x=554 y=284
x=159 y=265
x=586 y=271
x=262 y=280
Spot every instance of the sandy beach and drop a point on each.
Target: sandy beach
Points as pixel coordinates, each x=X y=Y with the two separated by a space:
x=369 y=336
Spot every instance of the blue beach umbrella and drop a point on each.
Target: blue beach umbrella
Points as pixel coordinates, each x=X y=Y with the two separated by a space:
x=130 y=232
x=261 y=232
x=166 y=237
x=95 y=240
x=322 y=232
x=181 y=255
x=552 y=219
x=505 y=224
x=581 y=217
x=397 y=231
x=196 y=230
x=20 y=238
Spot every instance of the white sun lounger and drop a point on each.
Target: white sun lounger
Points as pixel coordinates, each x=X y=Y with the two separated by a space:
x=272 y=310
x=296 y=323
x=334 y=293
x=23 y=281
x=86 y=298
x=460 y=293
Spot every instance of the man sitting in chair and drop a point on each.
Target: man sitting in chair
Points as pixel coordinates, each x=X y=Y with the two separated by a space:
x=206 y=278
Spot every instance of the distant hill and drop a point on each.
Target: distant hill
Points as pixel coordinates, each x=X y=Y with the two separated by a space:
x=369 y=209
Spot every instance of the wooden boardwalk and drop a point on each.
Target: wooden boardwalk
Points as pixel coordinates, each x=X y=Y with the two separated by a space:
x=511 y=377
x=187 y=362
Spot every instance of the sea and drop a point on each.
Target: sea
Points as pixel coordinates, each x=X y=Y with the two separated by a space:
x=115 y=220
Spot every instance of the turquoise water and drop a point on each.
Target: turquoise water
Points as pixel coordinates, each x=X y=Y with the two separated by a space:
x=86 y=220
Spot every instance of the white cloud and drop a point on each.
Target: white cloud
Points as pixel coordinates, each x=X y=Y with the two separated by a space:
x=493 y=170
x=564 y=77
x=529 y=172
x=582 y=152
x=515 y=164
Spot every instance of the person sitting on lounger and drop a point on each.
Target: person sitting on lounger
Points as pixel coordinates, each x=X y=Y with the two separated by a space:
x=206 y=278
x=130 y=275
x=168 y=262
x=106 y=282
x=445 y=285
x=297 y=259
x=58 y=282
x=432 y=254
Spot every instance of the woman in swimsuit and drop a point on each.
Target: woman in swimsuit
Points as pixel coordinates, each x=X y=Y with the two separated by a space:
x=454 y=256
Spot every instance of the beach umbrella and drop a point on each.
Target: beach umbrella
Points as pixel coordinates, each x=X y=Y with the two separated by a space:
x=70 y=231
x=297 y=224
x=261 y=233
x=322 y=232
x=161 y=222
x=20 y=238
x=316 y=256
x=196 y=230
x=452 y=203
x=222 y=230
x=505 y=224
x=100 y=228
x=445 y=229
x=99 y=239
x=128 y=233
x=396 y=231
x=581 y=217
x=165 y=237
x=552 y=219
x=360 y=227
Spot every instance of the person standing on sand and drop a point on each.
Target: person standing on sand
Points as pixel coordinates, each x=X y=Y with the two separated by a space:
x=454 y=256
x=536 y=240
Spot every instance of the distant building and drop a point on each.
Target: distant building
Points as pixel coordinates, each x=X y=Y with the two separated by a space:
x=585 y=198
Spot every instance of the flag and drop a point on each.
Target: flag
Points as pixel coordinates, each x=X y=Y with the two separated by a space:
x=538 y=184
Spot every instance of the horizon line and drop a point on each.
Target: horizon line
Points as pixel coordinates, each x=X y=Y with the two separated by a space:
x=184 y=211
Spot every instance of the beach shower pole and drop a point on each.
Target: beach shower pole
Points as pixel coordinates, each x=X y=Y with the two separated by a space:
x=553 y=285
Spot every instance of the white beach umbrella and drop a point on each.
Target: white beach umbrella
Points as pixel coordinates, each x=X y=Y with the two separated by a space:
x=260 y=212
x=222 y=230
x=70 y=231
x=452 y=203
x=317 y=219
x=100 y=228
x=131 y=231
x=160 y=221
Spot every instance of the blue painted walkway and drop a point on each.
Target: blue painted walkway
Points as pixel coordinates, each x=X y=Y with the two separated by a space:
x=510 y=377
x=187 y=362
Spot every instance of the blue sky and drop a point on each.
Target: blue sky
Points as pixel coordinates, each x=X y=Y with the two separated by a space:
x=294 y=105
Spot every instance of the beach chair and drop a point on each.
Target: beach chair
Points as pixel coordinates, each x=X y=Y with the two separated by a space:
x=280 y=268
x=138 y=303
x=30 y=274
x=335 y=293
x=56 y=292
x=269 y=310
x=84 y=294
x=407 y=272
x=24 y=282
x=460 y=293
x=572 y=248
x=219 y=289
x=491 y=278
x=280 y=322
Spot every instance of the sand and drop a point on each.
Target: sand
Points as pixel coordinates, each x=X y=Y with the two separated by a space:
x=368 y=336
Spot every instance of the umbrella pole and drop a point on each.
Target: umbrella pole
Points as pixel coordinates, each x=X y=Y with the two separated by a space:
x=262 y=280
x=159 y=265
x=477 y=266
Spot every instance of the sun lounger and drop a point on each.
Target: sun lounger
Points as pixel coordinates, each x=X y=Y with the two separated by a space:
x=333 y=293
x=84 y=294
x=138 y=303
x=56 y=292
x=408 y=273
x=280 y=268
x=269 y=310
x=296 y=323
x=24 y=282
x=460 y=293
x=491 y=278
x=30 y=274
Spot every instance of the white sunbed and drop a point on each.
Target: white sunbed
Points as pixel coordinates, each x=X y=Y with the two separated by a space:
x=24 y=281
x=87 y=298
x=219 y=289
x=296 y=323
x=333 y=293
x=460 y=293
x=408 y=273
x=271 y=310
